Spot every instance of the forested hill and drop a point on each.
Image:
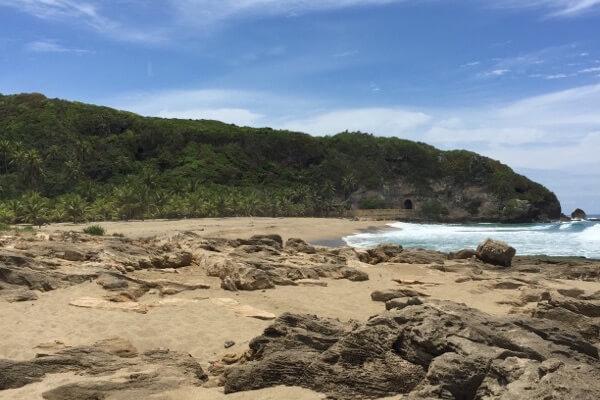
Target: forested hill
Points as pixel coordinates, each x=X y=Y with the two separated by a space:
x=62 y=160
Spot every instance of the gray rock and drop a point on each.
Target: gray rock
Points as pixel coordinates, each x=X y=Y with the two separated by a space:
x=435 y=350
x=401 y=302
x=386 y=295
x=165 y=369
x=578 y=214
x=464 y=254
x=496 y=252
x=21 y=295
x=379 y=254
x=299 y=246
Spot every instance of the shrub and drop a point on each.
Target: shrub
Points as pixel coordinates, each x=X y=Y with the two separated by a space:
x=4 y=227
x=371 y=203
x=434 y=210
x=95 y=230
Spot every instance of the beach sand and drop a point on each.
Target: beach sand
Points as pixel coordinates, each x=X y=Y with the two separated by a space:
x=310 y=229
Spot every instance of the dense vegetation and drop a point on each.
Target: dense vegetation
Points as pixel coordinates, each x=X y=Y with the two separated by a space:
x=63 y=160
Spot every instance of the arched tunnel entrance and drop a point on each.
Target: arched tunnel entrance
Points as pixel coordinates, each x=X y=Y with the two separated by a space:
x=408 y=204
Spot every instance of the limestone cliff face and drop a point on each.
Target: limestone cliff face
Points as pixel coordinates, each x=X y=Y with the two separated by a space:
x=448 y=201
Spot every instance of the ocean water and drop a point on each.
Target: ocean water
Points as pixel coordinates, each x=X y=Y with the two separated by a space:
x=576 y=238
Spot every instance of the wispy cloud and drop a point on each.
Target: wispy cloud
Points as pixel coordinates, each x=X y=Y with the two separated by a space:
x=496 y=72
x=53 y=46
x=86 y=13
x=555 y=8
x=180 y=17
x=471 y=64
x=589 y=70
x=556 y=76
x=385 y=121
x=211 y=10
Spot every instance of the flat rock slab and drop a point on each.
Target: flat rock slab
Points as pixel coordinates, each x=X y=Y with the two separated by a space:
x=93 y=302
x=242 y=309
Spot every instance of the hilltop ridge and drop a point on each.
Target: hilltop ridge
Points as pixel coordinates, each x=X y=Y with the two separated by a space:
x=74 y=161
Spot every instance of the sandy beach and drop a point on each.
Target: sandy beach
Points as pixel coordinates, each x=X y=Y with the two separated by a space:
x=309 y=229
x=199 y=322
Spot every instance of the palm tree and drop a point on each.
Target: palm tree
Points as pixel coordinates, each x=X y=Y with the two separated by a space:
x=348 y=185
x=34 y=209
x=31 y=164
x=7 y=149
x=74 y=207
x=129 y=200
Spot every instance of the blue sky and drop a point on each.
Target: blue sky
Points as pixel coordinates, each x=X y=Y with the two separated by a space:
x=517 y=80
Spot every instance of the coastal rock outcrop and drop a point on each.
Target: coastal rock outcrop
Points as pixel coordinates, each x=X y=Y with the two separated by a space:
x=430 y=350
x=390 y=253
x=579 y=214
x=106 y=362
x=263 y=262
x=496 y=252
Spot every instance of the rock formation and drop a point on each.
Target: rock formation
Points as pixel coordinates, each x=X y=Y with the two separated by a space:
x=578 y=214
x=429 y=350
x=496 y=253
x=106 y=361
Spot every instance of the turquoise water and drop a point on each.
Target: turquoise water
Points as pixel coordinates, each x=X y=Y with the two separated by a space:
x=577 y=238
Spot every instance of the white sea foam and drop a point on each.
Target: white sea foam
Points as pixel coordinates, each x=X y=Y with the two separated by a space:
x=576 y=238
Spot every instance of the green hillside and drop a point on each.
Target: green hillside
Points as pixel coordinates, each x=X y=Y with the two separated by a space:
x=62 y=160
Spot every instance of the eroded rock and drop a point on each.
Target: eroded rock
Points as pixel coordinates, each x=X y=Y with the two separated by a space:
x=150 y=372
x=434 y=350
x=496 y=252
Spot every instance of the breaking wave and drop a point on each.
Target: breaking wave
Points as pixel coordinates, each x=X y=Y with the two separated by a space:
x=576 y=238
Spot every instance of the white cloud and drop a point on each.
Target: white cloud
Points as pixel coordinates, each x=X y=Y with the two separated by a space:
x=238 y=107
x=212 y=10
x=471 y=64
x=87 y=13
x=383 y=121
x=557 y=8
x=238 y=116
x=496 y=72
x=52 y=46
x=178 y=16
x=556 y=76
x=590 y=70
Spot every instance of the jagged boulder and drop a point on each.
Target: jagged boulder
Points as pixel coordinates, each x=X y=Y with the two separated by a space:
x=464 y=254
x=496 y=252
x=578 y=214
x=434 y=350
x=379 y=254
x=299 y=246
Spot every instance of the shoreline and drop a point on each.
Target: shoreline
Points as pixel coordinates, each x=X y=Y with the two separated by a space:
x=313 y=230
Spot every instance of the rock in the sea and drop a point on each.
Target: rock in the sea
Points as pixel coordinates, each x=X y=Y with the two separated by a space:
x=578 y=214
x=496 y=252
